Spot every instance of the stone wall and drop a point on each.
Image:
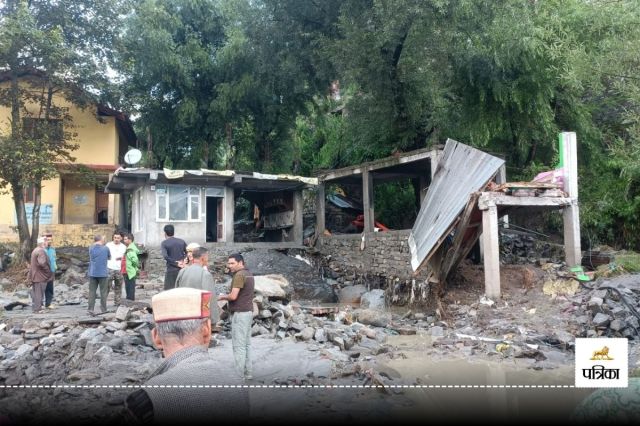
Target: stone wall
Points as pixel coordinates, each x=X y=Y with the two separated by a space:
x=383 y=263
x=65 y=235
x=385 y=253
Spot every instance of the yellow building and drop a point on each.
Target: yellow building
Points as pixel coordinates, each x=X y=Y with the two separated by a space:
x=73 y=206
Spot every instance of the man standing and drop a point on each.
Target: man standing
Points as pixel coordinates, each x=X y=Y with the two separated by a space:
x=131 y=264
x=51 y=254
x=98 y=273
x=39 y=275
x=172 y=395
x=196 y=275
x=116 y=250
x=241 y=307
x=174 y=250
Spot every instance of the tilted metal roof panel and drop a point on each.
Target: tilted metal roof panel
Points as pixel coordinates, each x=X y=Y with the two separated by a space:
x=461 y=171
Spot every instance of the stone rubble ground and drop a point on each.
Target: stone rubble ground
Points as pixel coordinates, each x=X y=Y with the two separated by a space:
x=358 y=341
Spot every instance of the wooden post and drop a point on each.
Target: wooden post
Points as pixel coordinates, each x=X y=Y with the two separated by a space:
x=367 y=200
x=229 y=209
x=320 y=210
x=297 y=230
x=571 y=214
x=491 y=246
x=500 y=179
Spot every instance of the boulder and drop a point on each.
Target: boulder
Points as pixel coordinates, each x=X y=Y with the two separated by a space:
x=373 y=299
x=352 y=294
x=272 y=286
x=373 y=317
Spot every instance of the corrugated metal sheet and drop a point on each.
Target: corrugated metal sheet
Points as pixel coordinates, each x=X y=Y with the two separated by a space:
x=461 y=171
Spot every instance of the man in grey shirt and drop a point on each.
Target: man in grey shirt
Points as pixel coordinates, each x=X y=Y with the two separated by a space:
x=197 y=275
x=172 y=395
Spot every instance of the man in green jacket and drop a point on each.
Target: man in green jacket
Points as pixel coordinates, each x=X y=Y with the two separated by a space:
x=131 y=266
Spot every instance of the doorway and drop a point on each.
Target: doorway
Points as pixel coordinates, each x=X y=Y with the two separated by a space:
x=214 y=219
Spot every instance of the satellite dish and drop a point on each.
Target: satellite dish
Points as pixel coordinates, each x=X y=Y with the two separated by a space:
x=133 y=156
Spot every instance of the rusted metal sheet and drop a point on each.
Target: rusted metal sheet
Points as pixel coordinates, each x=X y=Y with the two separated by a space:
x=461 y=171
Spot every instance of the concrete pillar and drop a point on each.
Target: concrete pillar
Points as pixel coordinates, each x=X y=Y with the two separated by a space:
x=123 y=211
x=297 y=230
x=435 y=158
x=320 y=210
x=424 y=184
x=229 y=208
x=571 y=214
x=367 y=200
x=500 y=179
x=491 y=246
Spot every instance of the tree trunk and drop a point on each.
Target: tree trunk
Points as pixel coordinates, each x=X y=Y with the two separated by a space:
x=35 y=215
x=21 y=217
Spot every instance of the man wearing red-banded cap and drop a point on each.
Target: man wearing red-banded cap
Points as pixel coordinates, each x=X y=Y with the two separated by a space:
x=183 y=332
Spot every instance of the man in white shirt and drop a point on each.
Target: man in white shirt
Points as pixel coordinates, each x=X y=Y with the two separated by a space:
x=117 y=250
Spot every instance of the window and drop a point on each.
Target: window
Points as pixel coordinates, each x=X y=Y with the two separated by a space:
x=29 y=194
x=178 y=203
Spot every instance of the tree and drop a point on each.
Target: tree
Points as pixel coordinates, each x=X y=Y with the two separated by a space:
x=47 y=49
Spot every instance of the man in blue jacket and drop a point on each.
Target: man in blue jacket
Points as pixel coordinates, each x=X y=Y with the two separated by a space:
x=98 y=273
x=51 y=254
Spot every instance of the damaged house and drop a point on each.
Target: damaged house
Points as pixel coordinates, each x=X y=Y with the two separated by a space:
x=213 y=206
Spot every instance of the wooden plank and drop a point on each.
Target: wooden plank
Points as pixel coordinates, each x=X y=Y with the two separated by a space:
x=453 y=253
x=320 y=209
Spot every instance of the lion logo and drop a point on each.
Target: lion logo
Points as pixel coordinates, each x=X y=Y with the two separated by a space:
x=602 y=354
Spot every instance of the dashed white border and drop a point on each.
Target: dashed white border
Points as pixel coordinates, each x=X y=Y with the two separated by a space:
x=291 y=386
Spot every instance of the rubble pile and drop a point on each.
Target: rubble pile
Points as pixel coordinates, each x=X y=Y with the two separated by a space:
x=609 y=310
x=276 y=316
x=83 y=350
x=522 y=247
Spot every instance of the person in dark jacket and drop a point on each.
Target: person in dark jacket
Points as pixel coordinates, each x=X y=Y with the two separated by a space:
x=39 y=274
x=174 y=250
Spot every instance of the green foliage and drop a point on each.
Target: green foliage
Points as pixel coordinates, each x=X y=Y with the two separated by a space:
x=395 y=204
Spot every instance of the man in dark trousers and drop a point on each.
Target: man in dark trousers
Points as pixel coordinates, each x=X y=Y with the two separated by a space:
x=174 y=250
x=51 y=253
x=39 y=274
x=191 y=385
x=241 y=307
x=98 y=272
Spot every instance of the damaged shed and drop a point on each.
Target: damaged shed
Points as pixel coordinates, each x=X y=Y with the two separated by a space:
x=461 y=205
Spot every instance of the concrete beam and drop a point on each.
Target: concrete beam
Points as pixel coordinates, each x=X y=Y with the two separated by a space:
x=500 y=199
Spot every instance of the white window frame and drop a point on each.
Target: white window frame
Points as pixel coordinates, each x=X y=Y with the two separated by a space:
x=162 y=197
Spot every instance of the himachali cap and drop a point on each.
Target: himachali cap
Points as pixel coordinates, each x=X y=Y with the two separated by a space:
x=181 y=304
